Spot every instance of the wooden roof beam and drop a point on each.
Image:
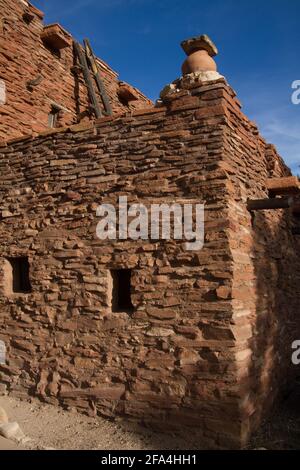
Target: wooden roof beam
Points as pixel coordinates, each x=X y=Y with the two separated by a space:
x=269 y=204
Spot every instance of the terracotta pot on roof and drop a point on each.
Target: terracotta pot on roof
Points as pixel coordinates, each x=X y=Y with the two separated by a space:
x=200 y=51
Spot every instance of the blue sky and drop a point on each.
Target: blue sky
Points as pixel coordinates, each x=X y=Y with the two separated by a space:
x=258 y=42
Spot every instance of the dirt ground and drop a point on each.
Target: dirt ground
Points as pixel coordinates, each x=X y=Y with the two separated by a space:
x=49 y=427
x=282 y=430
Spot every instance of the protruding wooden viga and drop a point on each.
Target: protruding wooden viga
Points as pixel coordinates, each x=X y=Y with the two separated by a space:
x=288 y=185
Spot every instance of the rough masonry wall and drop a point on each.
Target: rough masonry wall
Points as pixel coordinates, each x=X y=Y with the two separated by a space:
x=171 y=362
x=24 y=57
x=208 y=341
x=266 y=281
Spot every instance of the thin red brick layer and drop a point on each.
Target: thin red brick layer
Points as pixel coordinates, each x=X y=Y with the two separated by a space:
x=208 y=343
x=36 y=76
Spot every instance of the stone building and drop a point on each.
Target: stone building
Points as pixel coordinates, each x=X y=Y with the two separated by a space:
x=39 y=80
x=142 y=329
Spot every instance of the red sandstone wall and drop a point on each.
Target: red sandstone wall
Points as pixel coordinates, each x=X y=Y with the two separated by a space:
x=266 y=277
x=24 y=57
x=172 y=360
x=208 y=327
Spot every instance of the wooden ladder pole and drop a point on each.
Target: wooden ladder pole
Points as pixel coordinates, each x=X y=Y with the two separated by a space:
x=88 y=79
x=100 y=84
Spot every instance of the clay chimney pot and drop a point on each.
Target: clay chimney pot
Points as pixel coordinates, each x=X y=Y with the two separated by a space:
x=200 y=51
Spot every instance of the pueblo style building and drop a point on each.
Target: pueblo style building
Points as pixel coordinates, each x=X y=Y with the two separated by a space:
x=141 y=329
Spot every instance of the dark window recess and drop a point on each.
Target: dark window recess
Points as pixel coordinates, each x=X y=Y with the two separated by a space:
x=53 y=117
x=20 y=275
x=53 y=50
x=126 y=94
x=123 y=100
x=28 y=17
x=121 y=290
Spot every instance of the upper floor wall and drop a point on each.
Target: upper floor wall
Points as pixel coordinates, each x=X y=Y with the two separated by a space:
x=38 y=79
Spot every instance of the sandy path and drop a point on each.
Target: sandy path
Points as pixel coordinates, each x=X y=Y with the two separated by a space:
x=51 y=427
x=8 y=445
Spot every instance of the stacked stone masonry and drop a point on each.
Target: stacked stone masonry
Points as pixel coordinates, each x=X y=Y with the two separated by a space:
x=208 y=342
x=37 y=77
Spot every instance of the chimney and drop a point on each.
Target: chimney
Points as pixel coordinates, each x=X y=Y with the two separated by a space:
x=200 y=51
x=198 y=68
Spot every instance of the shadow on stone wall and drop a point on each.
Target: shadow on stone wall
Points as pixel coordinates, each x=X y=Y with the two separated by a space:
x=277 y=324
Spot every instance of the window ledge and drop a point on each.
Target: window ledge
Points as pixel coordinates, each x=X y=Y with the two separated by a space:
x=56 y=37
